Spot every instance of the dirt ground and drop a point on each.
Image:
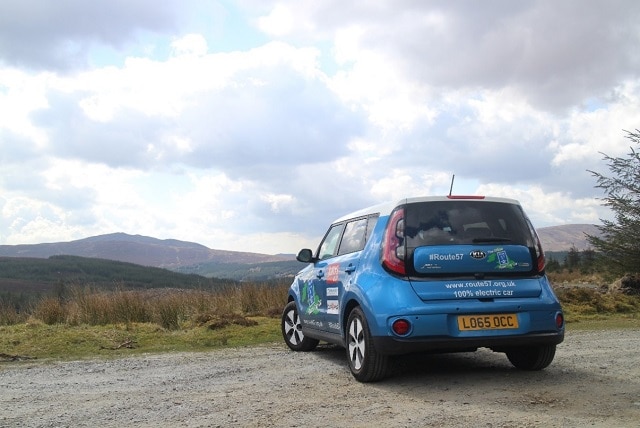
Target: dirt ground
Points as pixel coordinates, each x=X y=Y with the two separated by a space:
x=593 y=381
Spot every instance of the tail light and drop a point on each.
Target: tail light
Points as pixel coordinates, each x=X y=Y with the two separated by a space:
x=393 y=249
x=540 y=260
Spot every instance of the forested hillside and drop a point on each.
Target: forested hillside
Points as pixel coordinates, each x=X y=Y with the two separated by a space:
x=28 y=275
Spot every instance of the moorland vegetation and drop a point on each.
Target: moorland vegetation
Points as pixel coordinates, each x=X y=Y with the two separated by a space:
x=78 y=321
x=72 y=308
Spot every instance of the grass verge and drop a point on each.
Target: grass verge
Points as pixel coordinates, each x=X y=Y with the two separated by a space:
x=65 y=342
x=604 y=322
x=97 y=324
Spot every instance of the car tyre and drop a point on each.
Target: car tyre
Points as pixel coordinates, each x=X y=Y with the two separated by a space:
x=365 y=363
x=292 y=330
x=532 y=357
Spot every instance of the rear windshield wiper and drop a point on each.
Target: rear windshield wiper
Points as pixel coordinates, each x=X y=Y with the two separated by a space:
x=490 y=239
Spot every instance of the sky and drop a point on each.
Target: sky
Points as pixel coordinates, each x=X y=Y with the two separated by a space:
x=250 y=125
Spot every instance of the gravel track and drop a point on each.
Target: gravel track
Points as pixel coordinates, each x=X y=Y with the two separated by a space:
x=593 y=381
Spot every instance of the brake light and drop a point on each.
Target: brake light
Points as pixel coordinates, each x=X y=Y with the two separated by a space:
x=393 y=250
x=464 y=197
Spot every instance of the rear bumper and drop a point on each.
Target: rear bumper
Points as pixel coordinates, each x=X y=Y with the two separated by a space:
x=395 y=346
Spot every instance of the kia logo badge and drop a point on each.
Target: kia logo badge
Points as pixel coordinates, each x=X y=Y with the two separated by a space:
x=478 y=254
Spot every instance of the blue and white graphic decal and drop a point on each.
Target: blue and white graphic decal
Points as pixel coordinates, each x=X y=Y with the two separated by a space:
x=471 y=259
x=310 y=298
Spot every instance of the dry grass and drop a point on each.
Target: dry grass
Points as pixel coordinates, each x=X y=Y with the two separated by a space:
x=593 y=296
x=9 y=314
x=171 y=309
x=88 y=322
x=582 y=296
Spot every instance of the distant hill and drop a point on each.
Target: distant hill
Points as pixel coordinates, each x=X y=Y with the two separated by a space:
x=246 y=271
x=142 y=250
x=193 y=258
x=562 y=238
x=27 y=275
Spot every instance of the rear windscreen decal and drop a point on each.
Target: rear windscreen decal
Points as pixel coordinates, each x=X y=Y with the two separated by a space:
x=501 y=260
x=472 y=258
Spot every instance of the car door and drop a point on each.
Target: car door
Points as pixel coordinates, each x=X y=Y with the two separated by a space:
x=313 y=296
x=340 y=269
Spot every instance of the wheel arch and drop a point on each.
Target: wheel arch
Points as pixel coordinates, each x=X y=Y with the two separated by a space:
x=348 y=307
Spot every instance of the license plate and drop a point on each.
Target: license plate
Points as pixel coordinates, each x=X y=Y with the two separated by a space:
x=487 y=322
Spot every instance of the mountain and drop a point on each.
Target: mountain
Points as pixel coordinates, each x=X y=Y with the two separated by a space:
x=190 y=257
x=562 y=238
x=142 y=250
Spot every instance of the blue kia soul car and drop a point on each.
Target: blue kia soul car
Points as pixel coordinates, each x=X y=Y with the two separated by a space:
x=431 y=274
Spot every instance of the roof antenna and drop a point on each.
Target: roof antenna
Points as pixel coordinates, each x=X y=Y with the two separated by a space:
x=453 y=177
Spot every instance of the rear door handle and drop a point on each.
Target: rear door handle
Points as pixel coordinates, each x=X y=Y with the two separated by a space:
x=349 y=269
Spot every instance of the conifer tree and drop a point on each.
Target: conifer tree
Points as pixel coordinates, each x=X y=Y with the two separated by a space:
x=619 y=242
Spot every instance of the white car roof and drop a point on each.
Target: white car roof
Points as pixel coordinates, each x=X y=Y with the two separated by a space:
x=385 y=208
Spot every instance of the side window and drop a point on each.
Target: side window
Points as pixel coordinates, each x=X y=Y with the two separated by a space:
x=371 y=223
x=354 y=236
x=329 y=246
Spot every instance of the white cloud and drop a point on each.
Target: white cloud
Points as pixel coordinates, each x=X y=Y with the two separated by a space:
x=190 y=45
x=254 y=128
x=536 y=202
x=278 y=23
x=29 y=220
x=277 y=203
x=398 y=184
x=20 y=95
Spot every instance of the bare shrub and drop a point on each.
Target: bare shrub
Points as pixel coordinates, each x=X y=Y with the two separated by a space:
x=590 y=300
x=169 y=308
x=89 y=306
x=630 y=284
x=261 y=298
x=9 y=315
x=51 y=310
x=221 y=321
x=129 y=307
x=169 y=311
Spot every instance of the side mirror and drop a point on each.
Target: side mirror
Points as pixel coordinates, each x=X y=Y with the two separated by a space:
x=305 y=256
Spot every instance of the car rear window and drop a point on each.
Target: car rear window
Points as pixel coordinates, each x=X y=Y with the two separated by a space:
x=465 y=222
